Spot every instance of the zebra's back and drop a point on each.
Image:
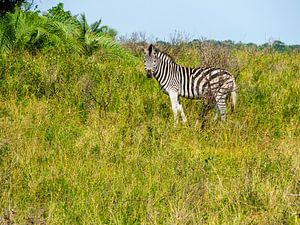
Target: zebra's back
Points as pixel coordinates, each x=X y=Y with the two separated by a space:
x=205 y=82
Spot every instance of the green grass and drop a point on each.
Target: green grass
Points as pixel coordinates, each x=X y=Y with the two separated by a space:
x=90 y=140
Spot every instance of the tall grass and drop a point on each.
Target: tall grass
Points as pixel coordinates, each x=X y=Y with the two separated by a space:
x=90 y=140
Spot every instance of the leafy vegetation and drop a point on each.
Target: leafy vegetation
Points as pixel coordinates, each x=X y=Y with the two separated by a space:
x=56 y=29
x=10 y=5
x=85 y=138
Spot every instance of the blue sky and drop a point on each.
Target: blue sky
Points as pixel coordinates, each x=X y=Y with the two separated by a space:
x=255 y=21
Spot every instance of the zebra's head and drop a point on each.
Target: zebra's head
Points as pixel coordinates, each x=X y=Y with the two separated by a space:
x=150 y=60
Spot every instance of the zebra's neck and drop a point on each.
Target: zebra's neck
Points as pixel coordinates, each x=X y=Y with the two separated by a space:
x=169 y=74
x=165 y=69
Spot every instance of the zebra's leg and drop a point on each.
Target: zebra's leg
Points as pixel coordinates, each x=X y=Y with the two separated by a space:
x=203 y=115
x=174 y=103
x=180 y=109
x=217 y=113
x=221 y=105
x=183 y=117
x=204 y=112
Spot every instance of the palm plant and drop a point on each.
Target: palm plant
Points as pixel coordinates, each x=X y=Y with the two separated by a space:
x=5 y=38
x=96 y=28
x=95 y=36
x=28 y=30
x=56 y=29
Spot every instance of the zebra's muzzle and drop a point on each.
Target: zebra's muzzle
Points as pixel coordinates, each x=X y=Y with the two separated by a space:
x=149 y=73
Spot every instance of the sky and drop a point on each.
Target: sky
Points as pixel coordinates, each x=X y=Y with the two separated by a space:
x=256 y=21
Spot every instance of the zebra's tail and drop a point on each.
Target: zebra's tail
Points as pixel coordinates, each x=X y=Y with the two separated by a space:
x=233 y=97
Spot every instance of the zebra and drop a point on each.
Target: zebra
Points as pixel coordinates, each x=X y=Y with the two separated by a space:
x=210 y=84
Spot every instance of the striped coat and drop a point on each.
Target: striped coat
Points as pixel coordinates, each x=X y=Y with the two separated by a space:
x=209 y=84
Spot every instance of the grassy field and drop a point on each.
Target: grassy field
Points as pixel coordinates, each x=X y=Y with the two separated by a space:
x=90 y=140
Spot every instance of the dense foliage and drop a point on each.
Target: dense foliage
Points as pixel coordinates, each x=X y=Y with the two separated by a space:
x=10 y=5
x=56 y=29
x=85 y=138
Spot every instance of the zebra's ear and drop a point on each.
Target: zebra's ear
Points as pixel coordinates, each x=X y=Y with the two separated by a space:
x=152 y=50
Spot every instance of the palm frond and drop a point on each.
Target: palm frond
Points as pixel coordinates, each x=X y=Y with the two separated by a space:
x=95 y=26
x=5 y=39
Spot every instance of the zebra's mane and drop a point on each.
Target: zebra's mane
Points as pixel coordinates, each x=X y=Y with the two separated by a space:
x=167 y=56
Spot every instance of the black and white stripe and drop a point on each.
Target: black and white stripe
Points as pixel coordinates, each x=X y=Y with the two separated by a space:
x=210 y=84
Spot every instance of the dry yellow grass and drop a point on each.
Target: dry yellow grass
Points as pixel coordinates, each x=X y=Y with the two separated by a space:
x=98 y=146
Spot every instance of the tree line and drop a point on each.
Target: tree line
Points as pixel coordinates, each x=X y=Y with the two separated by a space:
x=23 y=27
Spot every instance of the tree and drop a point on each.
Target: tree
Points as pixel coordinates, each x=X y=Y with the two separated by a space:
x=9 y=5
x=279 y=46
